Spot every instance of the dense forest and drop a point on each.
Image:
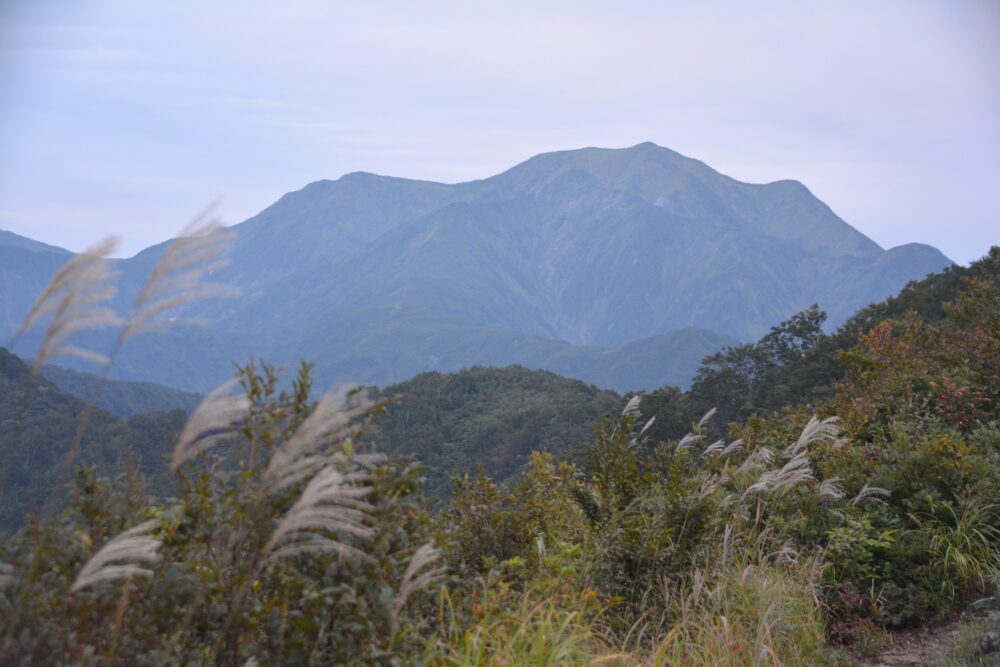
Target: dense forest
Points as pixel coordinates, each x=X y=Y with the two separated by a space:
x=39 y=423
x=489 y=417
x=808 y=494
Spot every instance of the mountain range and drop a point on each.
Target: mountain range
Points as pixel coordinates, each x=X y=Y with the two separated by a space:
x=620 y=267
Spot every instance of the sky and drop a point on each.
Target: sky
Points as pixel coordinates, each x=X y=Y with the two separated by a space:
x=129 y=118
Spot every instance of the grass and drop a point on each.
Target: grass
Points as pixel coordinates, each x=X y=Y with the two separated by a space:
x=965 y=652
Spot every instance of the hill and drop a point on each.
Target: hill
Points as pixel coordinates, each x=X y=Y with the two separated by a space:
x=493 y=417
x=37 y=424
x=564 y=262
x=119 y=397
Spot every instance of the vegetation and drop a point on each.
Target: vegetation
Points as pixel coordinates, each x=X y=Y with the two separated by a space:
x=493 y=417
x=125 y=399
x=797 y=536
x=44 y=420
x=797 y=363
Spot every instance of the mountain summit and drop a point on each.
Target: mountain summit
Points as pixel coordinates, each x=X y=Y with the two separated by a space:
x=585 y=262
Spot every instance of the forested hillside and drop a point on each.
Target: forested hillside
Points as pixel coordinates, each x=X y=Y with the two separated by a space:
x=38 y=424
x=494 y=417
x=797 y=363
x=121 y=398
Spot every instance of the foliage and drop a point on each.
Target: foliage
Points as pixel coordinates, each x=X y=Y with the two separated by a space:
x=796 y=363
x=288 y=539
x=125 y=399
x=495 y=417
x=44 y=419
x=241 y=570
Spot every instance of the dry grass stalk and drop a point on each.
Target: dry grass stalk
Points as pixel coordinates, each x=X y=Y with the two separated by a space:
x=333 y=419
x=632 y=407
x=211 y=423
x=331 y=504
x=815 y=431
x=830 y=490
x=715 y=448
x=706 y=417
x=416 y=577
x=177 y=278
x=763 y=456
x=688 y=440
x=134 y=545
x=6 y=576
x=732 y=448
x=73 y=299
x=869 y=492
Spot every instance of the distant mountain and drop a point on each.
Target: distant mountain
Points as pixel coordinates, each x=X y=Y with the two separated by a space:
x=119 y=397
x=12 y=240
x=621 y=267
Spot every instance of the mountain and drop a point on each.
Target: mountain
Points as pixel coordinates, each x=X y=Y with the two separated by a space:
x=119 y=397
x=622 y=267
x=12 y=240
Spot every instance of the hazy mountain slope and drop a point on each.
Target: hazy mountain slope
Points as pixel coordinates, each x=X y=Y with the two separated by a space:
x=119 y=397
x=12 y=240
x=384 y=277
x=691 y=189
x=24 y=273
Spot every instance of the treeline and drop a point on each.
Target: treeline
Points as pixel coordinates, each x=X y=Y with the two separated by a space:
x=797 y=363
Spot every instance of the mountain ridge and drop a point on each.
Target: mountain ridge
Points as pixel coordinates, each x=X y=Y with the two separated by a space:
x=597 y=249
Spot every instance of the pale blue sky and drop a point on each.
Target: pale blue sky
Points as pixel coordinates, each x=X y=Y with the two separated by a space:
x=129 y=117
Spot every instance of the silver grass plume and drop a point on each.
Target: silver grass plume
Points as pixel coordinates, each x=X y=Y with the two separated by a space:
x=416 y=577
x=333 y=419
x=815 y=431
x=210 y=423
x=632 y=407
x=830 y=490
x=763 y=483
x=715 y=448
x=763 y=456
x=74 y=299
x=707 y=417
x=688 y=440
x=331 y=504
x=869 y=492
x=796 y=471
x=177 y=277
x=647 y=425
x=133 y=545
x=306 y=466
x=6 y=576
x=732 y=448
